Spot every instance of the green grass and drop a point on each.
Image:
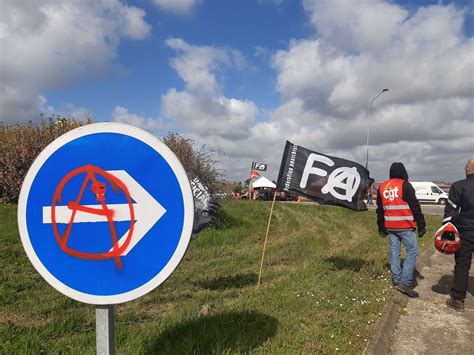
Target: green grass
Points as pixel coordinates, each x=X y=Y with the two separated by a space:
x=326 y=279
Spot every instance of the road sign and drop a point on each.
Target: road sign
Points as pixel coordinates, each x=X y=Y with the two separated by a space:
x=106 y=213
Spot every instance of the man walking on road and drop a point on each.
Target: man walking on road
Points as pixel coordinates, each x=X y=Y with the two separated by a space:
x=460 y=212
x=398 y=215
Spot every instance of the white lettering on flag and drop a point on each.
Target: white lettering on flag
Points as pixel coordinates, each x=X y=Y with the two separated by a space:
x=310 y=169
x=289 y=174
x=347 y=179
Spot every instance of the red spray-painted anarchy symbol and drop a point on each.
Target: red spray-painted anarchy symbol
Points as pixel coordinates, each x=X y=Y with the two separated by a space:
x=99 y=190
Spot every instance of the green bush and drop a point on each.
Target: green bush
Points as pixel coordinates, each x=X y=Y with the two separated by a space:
x=20 y=144
x=200 y=162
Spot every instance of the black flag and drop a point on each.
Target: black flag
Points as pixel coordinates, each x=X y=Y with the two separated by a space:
x=205 y=205
x=259 y=166
x=322 y=178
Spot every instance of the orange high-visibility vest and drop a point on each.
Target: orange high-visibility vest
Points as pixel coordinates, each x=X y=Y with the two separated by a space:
x=396 y=211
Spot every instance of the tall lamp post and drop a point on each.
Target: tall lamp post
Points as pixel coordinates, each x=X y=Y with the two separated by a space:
x=368 y=127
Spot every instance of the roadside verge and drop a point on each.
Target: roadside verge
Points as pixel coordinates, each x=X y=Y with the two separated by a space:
x=379 y=343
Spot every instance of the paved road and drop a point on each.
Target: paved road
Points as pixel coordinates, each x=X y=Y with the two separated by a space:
x=433 y=209
x=428 y=326
x=427 y=209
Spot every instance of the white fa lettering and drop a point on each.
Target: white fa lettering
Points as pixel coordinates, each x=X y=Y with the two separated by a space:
x=344 y=178
x=310 y=169
x=391 y=194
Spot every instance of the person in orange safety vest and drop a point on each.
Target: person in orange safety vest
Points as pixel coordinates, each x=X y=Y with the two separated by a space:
x=398 y=216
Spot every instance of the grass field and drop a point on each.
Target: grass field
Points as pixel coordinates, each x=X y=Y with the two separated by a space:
x=326 y=279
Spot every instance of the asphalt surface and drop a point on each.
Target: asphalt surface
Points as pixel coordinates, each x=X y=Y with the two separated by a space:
x=427 y=209
x=433 y=209
x=427 y=325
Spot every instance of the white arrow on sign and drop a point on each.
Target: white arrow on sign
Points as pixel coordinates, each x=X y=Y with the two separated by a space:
x=147 y=211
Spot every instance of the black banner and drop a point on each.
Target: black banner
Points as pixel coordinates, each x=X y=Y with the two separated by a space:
x=205 y=205
x=322 y=178
x=259 y=166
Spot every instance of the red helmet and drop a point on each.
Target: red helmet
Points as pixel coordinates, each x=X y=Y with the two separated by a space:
x=447 y=239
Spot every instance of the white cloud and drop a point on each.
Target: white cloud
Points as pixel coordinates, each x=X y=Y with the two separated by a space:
x=198 y=65
x=121 y=115
x=209 y=116
x=309 y=70
x=177 y=7
x=424 y=56
x=202 y=109
x=326 y=82
x=364 y=25
x=53 y=43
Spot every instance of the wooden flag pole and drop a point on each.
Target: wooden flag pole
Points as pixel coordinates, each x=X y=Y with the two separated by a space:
x=266 y=237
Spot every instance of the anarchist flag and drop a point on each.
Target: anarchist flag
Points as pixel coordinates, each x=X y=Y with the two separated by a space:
x=322 y=178
x=259 y=166
x=206 y=205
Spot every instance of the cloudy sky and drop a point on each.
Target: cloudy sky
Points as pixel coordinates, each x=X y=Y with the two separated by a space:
x=242 y=77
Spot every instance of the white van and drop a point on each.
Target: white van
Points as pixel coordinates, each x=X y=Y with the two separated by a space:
x=429 y=192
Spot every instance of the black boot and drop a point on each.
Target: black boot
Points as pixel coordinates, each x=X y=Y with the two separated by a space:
x=406 y=290
x=457 y=305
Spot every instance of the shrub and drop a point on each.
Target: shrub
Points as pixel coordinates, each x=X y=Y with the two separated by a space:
x=20 y=144
x=200 y=161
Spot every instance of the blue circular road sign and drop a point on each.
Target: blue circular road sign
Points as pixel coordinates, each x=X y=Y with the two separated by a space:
x=106 y=213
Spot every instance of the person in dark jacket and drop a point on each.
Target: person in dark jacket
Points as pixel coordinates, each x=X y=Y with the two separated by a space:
x=460 y=211
x=398 y=215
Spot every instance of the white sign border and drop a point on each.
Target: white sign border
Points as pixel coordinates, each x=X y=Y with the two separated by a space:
x=188 y=199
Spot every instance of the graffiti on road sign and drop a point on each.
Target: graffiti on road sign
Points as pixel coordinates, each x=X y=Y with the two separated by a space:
x=141 y=215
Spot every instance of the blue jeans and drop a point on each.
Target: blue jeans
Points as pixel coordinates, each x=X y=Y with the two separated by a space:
x=408 y=238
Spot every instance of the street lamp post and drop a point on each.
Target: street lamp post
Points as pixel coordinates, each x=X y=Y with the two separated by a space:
x=368 y=127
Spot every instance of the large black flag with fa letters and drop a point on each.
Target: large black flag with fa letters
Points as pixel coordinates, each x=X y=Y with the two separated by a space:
x=322 y=178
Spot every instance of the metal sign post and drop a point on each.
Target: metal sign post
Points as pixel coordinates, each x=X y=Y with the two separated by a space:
x=105 y=329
